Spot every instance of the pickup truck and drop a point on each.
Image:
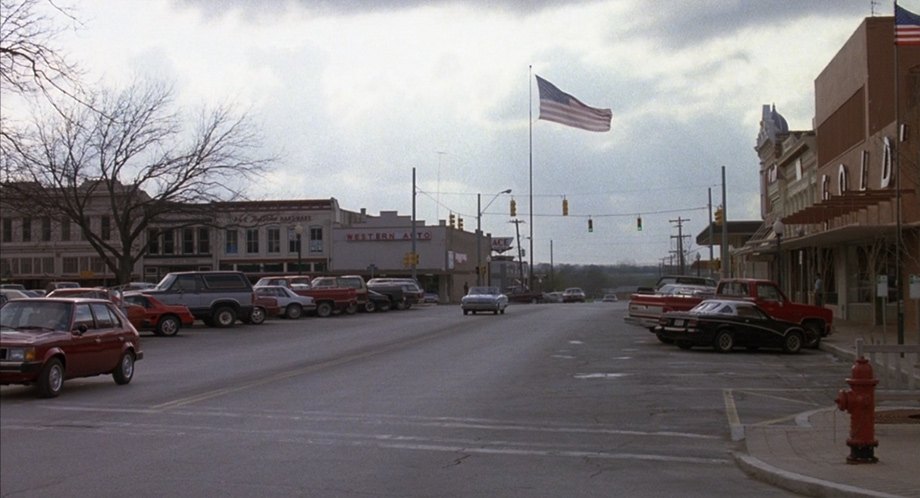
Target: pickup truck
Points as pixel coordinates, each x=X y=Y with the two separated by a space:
x=327 y=299
x=646 y=309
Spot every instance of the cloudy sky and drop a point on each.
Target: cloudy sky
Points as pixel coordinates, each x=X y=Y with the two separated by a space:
x=352 y=95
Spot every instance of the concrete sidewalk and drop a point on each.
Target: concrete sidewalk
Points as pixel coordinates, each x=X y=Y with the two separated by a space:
x=810 y=457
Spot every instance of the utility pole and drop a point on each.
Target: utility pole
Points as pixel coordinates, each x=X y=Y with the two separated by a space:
x=681 y=263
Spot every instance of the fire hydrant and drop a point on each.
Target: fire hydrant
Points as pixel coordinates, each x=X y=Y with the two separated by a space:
x=860 y=402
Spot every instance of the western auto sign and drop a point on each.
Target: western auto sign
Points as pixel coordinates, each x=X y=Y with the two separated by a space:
x=385 y=236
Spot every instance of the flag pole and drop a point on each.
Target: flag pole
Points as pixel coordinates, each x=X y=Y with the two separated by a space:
x=530 y=107
x=899 y=294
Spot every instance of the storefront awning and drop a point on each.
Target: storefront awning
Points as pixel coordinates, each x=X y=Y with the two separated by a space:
x=840 y=205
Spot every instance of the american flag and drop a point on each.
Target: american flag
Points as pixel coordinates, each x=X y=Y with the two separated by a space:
x=562 y=108
x=906 y=27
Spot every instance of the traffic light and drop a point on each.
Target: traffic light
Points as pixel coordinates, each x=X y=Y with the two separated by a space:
x=460 y=222
x=590 y=225
x=719 y=216
x=513 y=208
x=453 y=220
x=565 y=207
x=639 y=223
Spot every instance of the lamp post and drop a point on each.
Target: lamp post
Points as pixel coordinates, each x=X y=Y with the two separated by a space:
x=778 y=229
x=479 y=212
x=298 y=229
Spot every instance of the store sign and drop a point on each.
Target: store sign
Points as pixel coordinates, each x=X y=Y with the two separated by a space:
x=268 y=219
x=501 y=244
x=385 y=236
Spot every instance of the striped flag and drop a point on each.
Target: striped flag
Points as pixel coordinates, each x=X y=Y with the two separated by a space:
x=562 y=108
x=906 y=27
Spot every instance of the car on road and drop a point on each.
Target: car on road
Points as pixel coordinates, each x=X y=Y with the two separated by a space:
x=432 y=298
x=573 y=295
x=292 y=304
x=484 y=299
x=726 y=324
x=610 y=298
x=162 y=319
x=45 y=341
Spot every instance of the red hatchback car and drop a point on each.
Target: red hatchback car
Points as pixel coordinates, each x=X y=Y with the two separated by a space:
x=44 y=341
x=162 y=319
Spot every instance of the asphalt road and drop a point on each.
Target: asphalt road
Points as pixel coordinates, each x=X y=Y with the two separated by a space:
x=545 y=400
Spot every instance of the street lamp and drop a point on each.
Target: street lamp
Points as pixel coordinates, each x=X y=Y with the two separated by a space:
x=778 y=229
x=298 y=229
x=479 y=212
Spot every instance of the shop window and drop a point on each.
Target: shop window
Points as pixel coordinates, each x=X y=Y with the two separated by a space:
x=252 y=240
x=204 y=241
x=316 y=239
x=188 y=241
x=274 y=240
x=233 y=244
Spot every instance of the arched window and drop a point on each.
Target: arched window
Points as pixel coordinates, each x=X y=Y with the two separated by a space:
x=843 y=179
x=886 y=163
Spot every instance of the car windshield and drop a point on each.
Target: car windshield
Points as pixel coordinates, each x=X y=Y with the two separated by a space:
x=35 y=315
x=484 y=290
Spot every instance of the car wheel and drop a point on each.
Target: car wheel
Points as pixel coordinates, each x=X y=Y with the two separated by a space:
x=401 y=304
x=293 y=311
x=124 y=372
x=502 y=311
x=466 y=312
x=225 y=317
x=258 y=316
x=323 y=309
x=51 y=379
x=684 y=345
x=812 y=335
x=664 y=339
x=384 y=306
x=351 y=309
x=793 y=342
x=370 y=306
x=724 y=341
x=168 y=326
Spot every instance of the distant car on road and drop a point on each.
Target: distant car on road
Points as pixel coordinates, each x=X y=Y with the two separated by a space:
x=725 y=324
x=432 y=297
x=573 y=295
x=610 y=298
x=46 y=341
x=484 y=299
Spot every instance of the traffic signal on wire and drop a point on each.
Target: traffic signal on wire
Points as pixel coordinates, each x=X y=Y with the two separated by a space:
x=513 y=208
x=639 y=223
x=590 y=225
x=460 y=222
x=565 y=207
x=453 y=220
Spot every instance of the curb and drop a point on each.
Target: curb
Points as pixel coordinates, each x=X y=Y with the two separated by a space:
x=798 y=483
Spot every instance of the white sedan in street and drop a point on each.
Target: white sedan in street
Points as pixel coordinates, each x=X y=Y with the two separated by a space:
x=292 y=304
x=484 y=299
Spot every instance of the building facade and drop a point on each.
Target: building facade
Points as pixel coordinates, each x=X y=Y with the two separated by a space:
x=840 y=201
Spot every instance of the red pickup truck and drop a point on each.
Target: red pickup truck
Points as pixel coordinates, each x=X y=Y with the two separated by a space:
x=646 y=309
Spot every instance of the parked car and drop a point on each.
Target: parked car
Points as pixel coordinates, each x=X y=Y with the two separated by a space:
x=163 y=319
x=18 y=287
x=11 y=294
x=135 y=313
x=292 y=304
x=263 y=307
x=552 y=297
x=45 y=341
x=573 y=295
x=484 y=299
x=218 y=298
x=61 y=285
x=377 y=302
x=724 y=324
x=610 y=298
x=432 y=298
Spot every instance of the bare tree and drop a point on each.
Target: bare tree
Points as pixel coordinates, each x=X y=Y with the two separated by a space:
x=132 y=161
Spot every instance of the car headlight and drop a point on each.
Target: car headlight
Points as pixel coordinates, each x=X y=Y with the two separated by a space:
x=21 y=354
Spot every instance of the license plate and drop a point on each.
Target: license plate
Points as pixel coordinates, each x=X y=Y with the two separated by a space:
x=678 y=323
